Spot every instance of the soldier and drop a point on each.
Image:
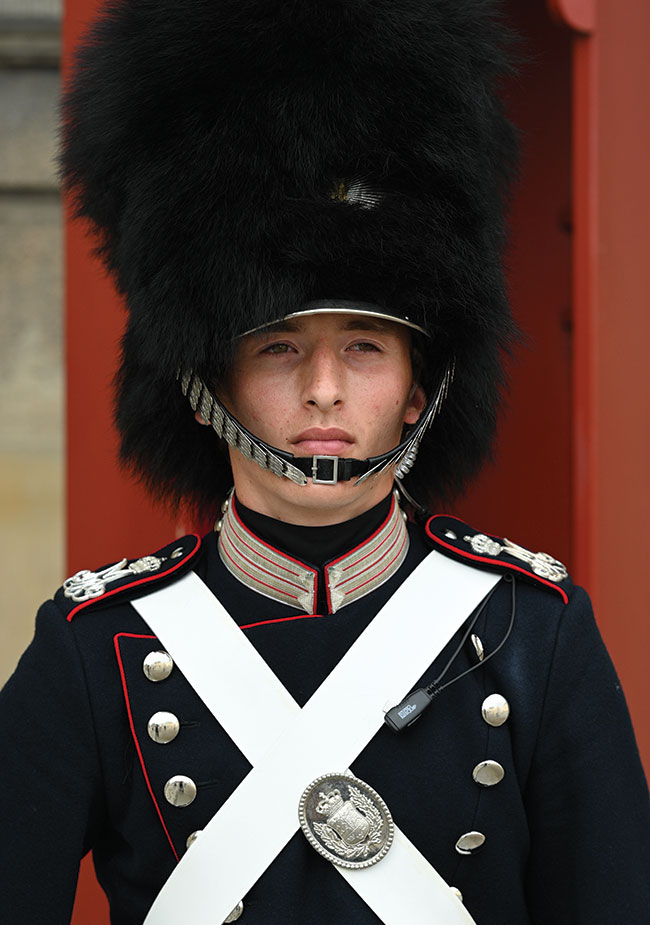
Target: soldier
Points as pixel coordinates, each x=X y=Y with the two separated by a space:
x=302 y=206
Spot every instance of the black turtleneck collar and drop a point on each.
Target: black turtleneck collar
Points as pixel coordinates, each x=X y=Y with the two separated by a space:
x=315 y=545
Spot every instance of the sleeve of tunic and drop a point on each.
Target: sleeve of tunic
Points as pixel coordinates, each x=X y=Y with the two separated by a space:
x=51 y=774
x=587 y=798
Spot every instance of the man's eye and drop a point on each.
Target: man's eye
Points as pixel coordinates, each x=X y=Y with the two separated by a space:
x=276 y=348
x=363 y=346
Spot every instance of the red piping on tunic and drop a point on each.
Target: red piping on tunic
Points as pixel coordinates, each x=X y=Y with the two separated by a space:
x=264 y=543
x=374 y=549
x=372 y=578
x=371 y=537
x=266 y=558
x=284 y=555
x=302 y=616
x=116 y=640
x=492 y=561
x=259 y=580
x=359 y=546
x=385 y=553
x=226 y=539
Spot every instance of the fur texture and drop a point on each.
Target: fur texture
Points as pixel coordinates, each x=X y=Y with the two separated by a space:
x=204 y=139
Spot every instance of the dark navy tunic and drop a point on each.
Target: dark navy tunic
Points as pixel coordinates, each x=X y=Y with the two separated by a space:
x=567 y=831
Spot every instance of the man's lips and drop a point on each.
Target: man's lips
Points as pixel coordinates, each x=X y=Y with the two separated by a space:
x=318 y=441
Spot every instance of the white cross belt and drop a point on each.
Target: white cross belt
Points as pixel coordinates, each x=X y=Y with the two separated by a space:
x=289 y=747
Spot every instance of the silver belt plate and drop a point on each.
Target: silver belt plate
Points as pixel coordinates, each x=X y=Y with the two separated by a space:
x=345 y=820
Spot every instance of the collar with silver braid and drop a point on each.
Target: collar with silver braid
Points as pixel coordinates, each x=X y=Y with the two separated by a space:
x=323 y=470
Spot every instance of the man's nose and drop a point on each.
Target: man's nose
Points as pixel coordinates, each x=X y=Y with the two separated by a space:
x=323 y=382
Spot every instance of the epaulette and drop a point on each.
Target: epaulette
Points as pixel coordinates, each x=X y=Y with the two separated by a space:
x=460 y=541
x=126 y=577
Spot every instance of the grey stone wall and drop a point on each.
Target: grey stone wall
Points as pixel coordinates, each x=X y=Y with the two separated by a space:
x=31 y=367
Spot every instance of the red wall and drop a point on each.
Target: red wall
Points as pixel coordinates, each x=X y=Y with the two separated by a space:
x=612 y=89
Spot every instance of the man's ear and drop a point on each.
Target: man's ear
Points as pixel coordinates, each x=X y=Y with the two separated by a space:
x=416 y=404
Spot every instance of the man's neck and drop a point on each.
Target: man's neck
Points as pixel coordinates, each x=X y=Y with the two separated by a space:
x=315 y=544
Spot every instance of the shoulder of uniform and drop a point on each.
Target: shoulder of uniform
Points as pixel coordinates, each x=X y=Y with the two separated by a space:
x=454 y=538
x=127 y=578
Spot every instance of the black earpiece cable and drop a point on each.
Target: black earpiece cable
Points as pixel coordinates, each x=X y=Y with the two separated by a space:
x=412 y=707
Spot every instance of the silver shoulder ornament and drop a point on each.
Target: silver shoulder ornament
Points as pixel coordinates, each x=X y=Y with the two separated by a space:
x=86 y=585
x=540 y=562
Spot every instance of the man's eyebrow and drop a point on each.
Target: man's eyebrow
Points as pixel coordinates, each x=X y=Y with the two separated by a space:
x=278 y=327
x=285 y=325
x=368 y=324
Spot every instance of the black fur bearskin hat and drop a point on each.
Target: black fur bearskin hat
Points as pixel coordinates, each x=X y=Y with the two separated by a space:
x=208 y=142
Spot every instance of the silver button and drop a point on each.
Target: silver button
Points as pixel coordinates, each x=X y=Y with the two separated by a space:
x=488 y=773
x=163 y=727
x=192 y=837
x=495 y=710
x=225 y=505
x=235 y=914
x=157 y=666
x=450 y=535
x=478 y=646
x=218 y=525
x=180 y=790
x=470 y=842
x=459 y=895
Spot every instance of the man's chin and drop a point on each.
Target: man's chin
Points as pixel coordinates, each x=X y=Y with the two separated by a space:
x=332 y=503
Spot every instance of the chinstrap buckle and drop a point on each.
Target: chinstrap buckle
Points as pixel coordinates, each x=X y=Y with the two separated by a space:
x=319 y=472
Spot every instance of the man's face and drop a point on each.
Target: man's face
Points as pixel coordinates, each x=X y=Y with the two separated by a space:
x=328 y=384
